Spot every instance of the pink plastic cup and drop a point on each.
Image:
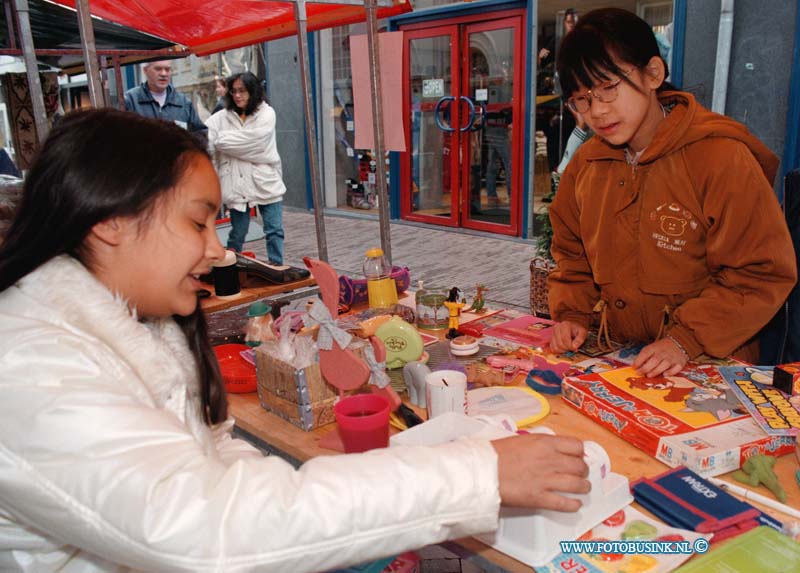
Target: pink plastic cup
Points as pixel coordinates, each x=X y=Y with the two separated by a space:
x=363 y=421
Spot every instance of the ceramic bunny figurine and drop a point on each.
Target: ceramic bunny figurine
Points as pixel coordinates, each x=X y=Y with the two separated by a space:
x=414 y=376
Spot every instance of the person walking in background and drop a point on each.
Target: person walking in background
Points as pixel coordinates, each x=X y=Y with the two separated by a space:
x=241 y=138
x=666 y=230
x=547 y=53
x=156 y=98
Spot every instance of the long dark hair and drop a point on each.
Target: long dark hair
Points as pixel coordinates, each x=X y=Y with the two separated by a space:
x=587 y=53
x=253 y=86
x=95 y=165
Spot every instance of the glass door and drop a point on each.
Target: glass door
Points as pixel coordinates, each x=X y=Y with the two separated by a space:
x=491 y=149
x=430 y=171
x=462 y=95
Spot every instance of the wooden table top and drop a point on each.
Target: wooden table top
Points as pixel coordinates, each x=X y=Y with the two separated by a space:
x=252 y=290
x=625 y=458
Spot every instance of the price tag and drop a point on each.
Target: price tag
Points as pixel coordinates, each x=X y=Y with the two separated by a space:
x=371 y=178
x=351 y=126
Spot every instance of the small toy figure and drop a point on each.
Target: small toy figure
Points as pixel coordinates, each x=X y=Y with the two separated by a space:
x=479 y=300
x=454 y=307
x=757 y=470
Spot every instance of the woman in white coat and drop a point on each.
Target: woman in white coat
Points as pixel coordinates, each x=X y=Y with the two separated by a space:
x=115 y=445
x=241 y=138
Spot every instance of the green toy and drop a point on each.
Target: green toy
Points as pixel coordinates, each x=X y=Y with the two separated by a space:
x=757 y=470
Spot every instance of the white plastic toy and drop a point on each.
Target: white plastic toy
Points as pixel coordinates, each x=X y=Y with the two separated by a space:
x=531 y=536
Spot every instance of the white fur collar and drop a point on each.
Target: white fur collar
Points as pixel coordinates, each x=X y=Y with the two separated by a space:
x=156 y=350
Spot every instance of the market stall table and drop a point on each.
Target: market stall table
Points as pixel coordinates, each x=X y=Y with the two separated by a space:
x=251 y=290
x=625 y=458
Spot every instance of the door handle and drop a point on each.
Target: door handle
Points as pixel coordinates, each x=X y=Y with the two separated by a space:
x=437 y=117
x=468 y=126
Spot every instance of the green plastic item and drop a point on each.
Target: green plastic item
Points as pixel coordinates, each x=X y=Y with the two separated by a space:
x=403 y=342
x=258 y=308
x=757 y=470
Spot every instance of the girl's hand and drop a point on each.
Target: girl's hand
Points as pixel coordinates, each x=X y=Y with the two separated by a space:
x=567 y=336
x=535 y=469
x=661 y=357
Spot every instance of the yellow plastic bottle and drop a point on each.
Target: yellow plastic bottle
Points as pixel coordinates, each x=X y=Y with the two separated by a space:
x=381 y=288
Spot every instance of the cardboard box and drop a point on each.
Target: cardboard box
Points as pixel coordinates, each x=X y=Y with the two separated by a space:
x=680 y=420
x=786 y=378
x=301 y=397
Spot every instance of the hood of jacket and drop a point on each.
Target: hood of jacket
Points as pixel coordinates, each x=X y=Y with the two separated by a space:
x=70 y=297
x=687 y=123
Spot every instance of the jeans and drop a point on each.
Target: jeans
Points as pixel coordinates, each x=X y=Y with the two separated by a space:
x=272 y=215
x=497 y=141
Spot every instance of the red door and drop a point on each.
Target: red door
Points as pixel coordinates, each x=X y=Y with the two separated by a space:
x=462 y=93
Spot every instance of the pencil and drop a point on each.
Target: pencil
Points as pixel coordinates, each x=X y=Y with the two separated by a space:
x=757 y=497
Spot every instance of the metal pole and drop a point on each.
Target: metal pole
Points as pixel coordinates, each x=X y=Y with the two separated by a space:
x=118 y=81
x=32 y=69
x=311 y=132
x=12 y=36
x=89 y=52
x=377 y=123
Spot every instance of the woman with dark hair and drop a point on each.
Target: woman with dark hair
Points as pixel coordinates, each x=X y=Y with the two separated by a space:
x=665 y=227
x=115 y=446
x=242 y=140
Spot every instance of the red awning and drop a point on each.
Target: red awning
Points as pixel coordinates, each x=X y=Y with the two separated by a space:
x=208 y=26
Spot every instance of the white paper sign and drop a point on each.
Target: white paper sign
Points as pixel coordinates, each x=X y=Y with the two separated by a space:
x=482 y=94
x=433 y=88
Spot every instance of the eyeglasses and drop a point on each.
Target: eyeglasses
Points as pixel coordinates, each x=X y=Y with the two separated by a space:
x=605 y=94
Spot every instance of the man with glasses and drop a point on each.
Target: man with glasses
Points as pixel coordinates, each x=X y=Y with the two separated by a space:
x=156 y=98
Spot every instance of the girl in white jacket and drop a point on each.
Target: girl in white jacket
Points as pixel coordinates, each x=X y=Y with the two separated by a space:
x=115 y=451
x=241 y=138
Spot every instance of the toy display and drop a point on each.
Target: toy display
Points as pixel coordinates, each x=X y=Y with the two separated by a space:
x=414 y=374
x=259 y=324
x=787 y=378
x=776 y=412
x=522 y=404
x=526 y=330
x=454 y=306
x=431 y=312
x=464 y=345
x=628 y=524
x=402 y=341
x=523 y=361
x=481 y=374
x=757 y=470
x=479 y=301
x=691 y=419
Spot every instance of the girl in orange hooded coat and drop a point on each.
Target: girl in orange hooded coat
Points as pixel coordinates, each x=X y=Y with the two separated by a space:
x=665 y=227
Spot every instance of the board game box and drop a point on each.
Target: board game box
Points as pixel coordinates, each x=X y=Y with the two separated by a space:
x=691 y=419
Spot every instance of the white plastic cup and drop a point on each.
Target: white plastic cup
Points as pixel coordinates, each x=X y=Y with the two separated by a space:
x=446 y=391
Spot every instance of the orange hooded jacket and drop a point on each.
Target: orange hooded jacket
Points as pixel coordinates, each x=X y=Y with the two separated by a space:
x=691 y=241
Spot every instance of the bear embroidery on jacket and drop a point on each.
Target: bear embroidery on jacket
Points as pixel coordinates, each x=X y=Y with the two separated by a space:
x=672 y=221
